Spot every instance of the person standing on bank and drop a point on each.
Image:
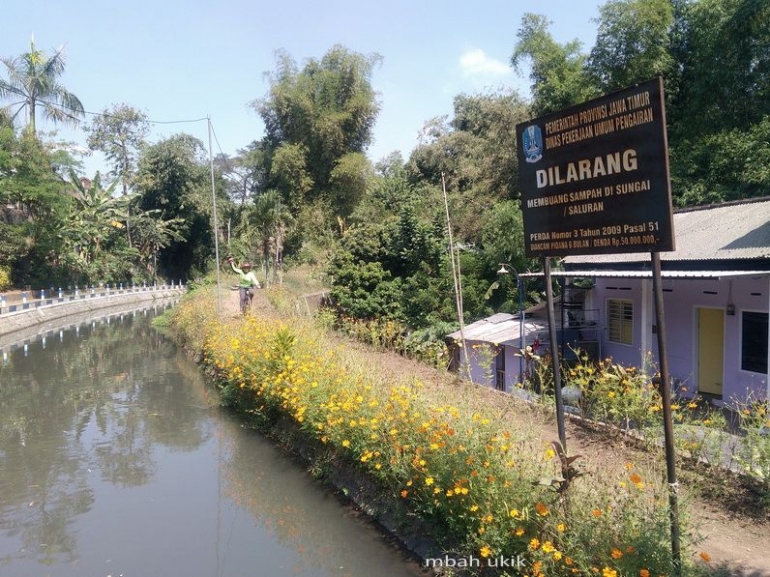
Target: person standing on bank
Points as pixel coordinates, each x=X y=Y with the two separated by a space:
x=247 y=282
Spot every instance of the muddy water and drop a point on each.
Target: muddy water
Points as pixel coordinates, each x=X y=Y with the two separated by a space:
x=115 y=460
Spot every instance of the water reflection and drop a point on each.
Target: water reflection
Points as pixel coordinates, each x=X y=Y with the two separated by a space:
x=115 y=459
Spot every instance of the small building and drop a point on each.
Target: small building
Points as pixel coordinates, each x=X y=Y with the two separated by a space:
x=716 y=297
x=492 y=354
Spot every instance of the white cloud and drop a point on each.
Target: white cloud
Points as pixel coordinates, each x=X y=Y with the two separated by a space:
x=475 y=62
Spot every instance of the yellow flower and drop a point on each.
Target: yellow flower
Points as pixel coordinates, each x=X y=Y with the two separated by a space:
x=534 y=544
x=561 y=527
x=548 y=547
x=514 y=513
x=429 y=481
x=485 y=551
x=345 y=443
x=607 y=572
x=556 y=555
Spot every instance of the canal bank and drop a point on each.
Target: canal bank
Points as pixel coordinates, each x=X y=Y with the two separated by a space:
x=460 y=460
x=109 y=425
x=37 y=316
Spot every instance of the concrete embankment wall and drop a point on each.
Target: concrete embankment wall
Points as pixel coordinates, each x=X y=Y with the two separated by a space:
x=36 y=320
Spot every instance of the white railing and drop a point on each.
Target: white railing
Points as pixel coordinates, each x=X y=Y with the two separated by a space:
x=27 y=300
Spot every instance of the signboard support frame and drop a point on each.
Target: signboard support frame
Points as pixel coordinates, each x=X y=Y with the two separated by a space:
x=554 y=354
x=668 y=424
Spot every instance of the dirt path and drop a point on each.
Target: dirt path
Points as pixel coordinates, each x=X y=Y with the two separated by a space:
x=734 y=535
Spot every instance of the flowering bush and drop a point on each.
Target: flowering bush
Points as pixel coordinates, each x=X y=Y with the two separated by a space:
x=451 y=456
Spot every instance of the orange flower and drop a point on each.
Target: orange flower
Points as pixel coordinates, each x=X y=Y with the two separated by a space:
x=596 y=512
x=616 y=553
x=644 y=573
x=705 y=556
x=541 y=509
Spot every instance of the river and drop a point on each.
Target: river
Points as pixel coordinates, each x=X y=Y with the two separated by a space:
x=115 y=460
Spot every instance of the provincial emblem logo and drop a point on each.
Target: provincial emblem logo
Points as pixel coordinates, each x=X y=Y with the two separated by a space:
x=533 y=143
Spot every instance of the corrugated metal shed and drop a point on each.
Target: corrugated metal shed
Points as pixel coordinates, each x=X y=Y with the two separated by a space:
x=504 y=329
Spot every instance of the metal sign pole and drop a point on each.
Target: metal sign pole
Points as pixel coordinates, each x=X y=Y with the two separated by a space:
x=668 y=424
x=554 y=355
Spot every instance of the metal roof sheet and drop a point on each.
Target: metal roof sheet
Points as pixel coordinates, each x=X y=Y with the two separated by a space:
x=728 y=231
x=670 y=274
x=506 y=332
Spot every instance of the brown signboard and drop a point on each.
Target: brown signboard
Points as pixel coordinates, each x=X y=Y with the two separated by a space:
x=594 y=178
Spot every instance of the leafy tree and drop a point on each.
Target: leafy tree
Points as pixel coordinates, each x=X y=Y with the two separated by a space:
x=174 y=178
x=33 y=208
x=244 y=174
x=153 y=232
x=633 y=43
x=269 y=219
x=474 y=154
x=314 y=117
x=33 y=83
x=722 y=52
x=557 y=71
x=97 y=213
x=120 y=134
x=718 y=113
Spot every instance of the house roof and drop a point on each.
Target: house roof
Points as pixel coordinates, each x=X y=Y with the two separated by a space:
x=504 y=329
x=730 y=231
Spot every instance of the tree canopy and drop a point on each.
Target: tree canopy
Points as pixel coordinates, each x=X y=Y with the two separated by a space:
x=32 y=83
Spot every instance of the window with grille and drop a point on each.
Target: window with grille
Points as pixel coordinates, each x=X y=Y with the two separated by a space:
x=754 y=342
x=500 y=370
x=620 y=321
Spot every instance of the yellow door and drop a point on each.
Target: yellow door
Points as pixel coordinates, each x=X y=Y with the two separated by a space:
x=711 y=346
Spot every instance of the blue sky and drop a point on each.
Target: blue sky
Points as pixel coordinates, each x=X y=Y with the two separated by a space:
x=182 y=60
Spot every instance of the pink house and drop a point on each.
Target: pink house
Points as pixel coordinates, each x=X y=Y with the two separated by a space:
x=716 y=292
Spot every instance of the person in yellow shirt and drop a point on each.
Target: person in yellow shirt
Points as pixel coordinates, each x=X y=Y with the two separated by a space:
x=247 y=283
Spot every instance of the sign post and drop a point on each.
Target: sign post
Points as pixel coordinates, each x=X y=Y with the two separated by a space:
x=594 y=179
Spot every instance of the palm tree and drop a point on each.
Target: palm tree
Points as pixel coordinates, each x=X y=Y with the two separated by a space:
x=33 y=83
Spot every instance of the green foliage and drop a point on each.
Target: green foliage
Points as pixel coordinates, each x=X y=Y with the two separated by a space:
x=612 y=393
x=632 y=43
x=174 y=178
x=314 y=118
x=754 y=453
x=5 y=278
x=729 y=165
x=120 y=134
x=558 y=71
x=33 y=83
